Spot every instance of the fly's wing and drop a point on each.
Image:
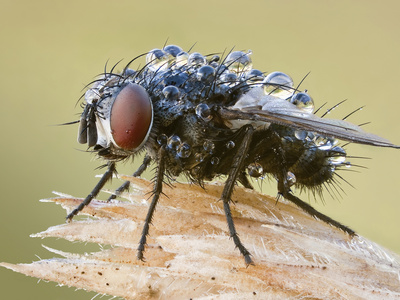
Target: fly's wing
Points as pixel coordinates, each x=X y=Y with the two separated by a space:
x=255 y=107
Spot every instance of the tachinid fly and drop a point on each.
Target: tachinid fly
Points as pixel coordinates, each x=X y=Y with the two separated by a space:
x=206 y=116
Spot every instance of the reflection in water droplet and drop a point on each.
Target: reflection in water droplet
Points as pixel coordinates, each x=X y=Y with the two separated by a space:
x=215 y=160
x=206 y=74
x=230 y=145
x=337 y=160
x=255 y=170
x=222 y=89
x=173 y=142
x=324 y=143
x=300 y=134
x=209 y=146
x=239 y=62
x=230 y=78
x=184 y=150
x=162 y=139
x=338 y=156
x=303 y=101
x=158 y=60
x=171 y=93
x=203 y=112
x=173 y=50
x=255 y=76
x=199 y=157
x=290 y=178
x=196 y=59
x=181 y=59
x=320 y=140
x=278 y=84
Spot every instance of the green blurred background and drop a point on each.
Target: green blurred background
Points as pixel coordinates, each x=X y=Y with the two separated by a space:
x=50 y=49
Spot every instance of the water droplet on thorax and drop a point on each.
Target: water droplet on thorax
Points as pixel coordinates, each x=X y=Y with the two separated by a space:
x=255 y=170
x=184 y=150
x=158 y=60
x=162 y=139
x=203 y=111
x=209 y=146
x=230 y=145
x=214 y=160
x=173 y=142
x=239 y=62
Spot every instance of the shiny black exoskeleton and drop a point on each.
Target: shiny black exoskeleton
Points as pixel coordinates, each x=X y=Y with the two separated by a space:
x=205 y=116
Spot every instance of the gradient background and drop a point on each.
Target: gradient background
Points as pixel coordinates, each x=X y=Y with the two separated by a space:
x=50 y=49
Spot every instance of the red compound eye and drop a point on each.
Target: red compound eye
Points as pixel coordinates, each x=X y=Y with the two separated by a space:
x=131 y=117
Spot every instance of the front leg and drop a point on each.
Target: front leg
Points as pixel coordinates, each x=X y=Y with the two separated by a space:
x=125 y=186
x=106 y=177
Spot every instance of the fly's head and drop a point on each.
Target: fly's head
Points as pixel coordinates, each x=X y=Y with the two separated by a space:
x=117 y=118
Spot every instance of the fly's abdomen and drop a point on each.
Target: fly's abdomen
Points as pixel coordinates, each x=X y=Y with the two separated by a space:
x=317 y=162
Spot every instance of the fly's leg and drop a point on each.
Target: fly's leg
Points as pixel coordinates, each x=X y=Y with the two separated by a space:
x=143 y=166
x=157 y=190
x=242 y=178
x=234 y=174
x=286 y=193
x=106 y=177
x=125 y=186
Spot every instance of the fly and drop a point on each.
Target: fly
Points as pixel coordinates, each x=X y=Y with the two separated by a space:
x=206 y=116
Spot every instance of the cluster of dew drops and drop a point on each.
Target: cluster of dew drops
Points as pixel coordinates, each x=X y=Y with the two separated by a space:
x=236 y=69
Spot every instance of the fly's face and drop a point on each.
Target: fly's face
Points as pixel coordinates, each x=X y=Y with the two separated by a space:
x=117 y=117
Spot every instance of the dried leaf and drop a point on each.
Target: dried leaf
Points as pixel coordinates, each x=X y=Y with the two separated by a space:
x=190 y=254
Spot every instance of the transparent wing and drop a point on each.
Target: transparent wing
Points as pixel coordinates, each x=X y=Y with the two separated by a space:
x=255 y=107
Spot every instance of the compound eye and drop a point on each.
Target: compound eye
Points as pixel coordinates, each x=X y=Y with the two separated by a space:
x=131 y=117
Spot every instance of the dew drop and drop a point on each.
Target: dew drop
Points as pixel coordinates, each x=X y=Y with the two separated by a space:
x=229 y=78
x=337 y=160
x=206 y=74
x=181 y=59
x=255 y=170
x=278 y=84
x=158 y=60
x=184 y=150
x=290 y=178
x=203 y=112
x=199 y=157
x=239 y=62
x=173 y=142
x=320 y=140
x=162 y=139
x=215 y=160
x=324 y=143
x=222 y=89
x=173 y=50
x=230 y=145
x=209 y=146
x=255 y=76
x=300 y=134
x=303 y=101
x=196 y=59
x=171 y=93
